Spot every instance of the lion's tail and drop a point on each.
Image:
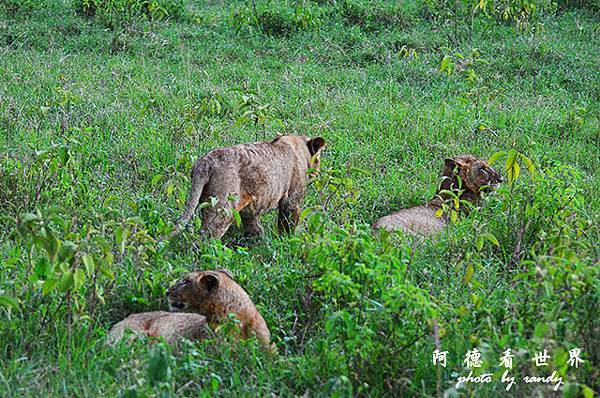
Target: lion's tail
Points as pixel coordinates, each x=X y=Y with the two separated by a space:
x=200 y=176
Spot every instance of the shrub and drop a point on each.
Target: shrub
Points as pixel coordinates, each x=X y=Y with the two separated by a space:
x=548 y=228
x=546 y=236
x=590 y=5
x=15 y=7
x=373 y=16
x=521 y=13
x=371 y=313
x=278 y=19
x=113 y=13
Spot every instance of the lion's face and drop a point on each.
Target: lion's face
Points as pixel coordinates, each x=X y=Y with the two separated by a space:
x=482 y=176
x=476 y=174
x=194 y=290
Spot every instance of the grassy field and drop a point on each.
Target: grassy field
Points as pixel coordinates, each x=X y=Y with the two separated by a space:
x=102 y=114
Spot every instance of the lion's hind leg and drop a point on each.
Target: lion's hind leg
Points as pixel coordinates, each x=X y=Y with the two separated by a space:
x=217 y=219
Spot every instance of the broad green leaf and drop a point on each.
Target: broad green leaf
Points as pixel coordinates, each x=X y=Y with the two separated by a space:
x=214 y=383
x=170 y=188
x=108 y=258
x=476 y=300
x=135 y=220
x=445 y=64
x=559 y=357
x=132 y=204
x=63 y=153
x=479 y=242
x=203 y=205
x=48 y=286
x=453 y=215
x=53 y=168
x=439 y=213
x=587 y=392
x=528 y=163
x=541 y=329
x=496 y=156
x=156 y=179
x=29 y=218
x=305 y=213
x=121 y=238
x=492 y=239
x=469 y=273
x=511 y=158
x=88 y=261
x=67 y=251
x=66 y=282
x=50 y=242
x=106 y=272
x=78 y=278
x=516 y=171
x=8 y=302
x=42 y=268
x=108 y=201
x=237 y=217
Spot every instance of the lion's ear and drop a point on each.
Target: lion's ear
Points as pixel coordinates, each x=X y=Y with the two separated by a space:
x=209 y=281
x=449 y=165
x=226 y=272
x=315 y=145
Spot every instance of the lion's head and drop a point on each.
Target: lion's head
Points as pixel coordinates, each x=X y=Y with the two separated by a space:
x=476 y=174
x=197 y=290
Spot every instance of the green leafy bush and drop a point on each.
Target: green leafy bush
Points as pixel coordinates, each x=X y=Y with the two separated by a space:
x=371 y=312
x=114 y=13
x=277 y=19
x=590 y=5
x=16 y=7
x=550 y=234
x=373 y=16
x=522 y=13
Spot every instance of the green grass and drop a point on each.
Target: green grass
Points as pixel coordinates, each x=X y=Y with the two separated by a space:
x=126 y=103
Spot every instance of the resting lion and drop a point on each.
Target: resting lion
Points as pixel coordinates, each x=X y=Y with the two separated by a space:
x=215 y=295
x=252 y=178
x=475 y=175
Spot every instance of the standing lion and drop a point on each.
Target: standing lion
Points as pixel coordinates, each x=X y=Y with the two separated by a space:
x=251 y=179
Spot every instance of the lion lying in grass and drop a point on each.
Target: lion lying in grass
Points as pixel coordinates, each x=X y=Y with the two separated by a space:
x=472 y=175
x=196 y=301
